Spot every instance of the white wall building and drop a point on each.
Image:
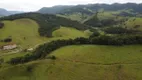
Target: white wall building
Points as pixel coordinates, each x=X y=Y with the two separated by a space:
x=10 y=46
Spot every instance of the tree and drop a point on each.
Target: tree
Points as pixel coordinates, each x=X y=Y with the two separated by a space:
x=95 y=34
x=1 y=60
x=7 y=39
x=1 y=25
x=29 y=68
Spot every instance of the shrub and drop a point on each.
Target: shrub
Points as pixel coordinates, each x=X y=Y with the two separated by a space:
x=29 y=68
x=52 y=57
x=7 y=40
x=1 y=25
x=1 y=60
x=95 y=34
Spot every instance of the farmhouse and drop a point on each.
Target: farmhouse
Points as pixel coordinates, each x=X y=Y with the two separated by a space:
x=9 y=46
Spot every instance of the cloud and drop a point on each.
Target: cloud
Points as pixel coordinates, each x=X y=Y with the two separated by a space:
x=33 y=5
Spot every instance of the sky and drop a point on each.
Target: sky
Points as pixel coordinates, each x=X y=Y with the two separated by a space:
x=34 y=5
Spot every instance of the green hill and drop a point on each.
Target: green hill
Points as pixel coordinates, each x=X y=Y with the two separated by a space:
x=64 y=49
x=134 y=23
x=53 y=10
x=70 y=33
x=75 y=16
x=47 y=22
x=24 y=32
x=86 y=62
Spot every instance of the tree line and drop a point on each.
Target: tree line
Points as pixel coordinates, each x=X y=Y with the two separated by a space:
x=120 y=30
x=43 y=50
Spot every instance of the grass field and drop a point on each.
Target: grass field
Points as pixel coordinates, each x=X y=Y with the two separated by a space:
x=9 y=56
x=132 y=22
x=85 y=62
x=75 y=16
x=70 y=33
x=24 y=32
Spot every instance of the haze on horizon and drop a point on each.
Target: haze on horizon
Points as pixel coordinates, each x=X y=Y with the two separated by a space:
x=34 y=5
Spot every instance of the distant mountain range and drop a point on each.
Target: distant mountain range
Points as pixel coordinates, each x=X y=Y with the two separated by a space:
x=90 y=8
x=54 y=9
x=84 y=9
x=4 y=12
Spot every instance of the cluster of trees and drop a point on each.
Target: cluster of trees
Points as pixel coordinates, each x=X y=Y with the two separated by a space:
x=115 y=7
x=127 y=14
x=117 y=40
x=76 y=9
x=119 y=30
x=95 y=34
x=96 y=22
x=1 y=61
x=90 y=8
x=109 y=22
x=43 y=50
x=20 y=60
x=47 y=22
x=9 y=39
x=1 y=25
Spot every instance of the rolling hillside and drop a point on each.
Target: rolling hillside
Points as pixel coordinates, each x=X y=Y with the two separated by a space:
x=70 y=33
x=53 y=10
x=24 y=32
x=94 y=7
x=47 y=22
x=82 y=12
x=83 y=42
x=134 y=23
x=86 y=62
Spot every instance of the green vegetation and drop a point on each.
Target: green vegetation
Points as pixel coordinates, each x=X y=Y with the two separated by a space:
x=75 y=16
x=47 y=22
x=1 y=25
x=94 y=21
x=9 y=56
x=43 y=50
x=69 y=32
x=134 y=23
x=86 y=62
x=24 y=32
x=103 y=42
x=100 y=54
x=120 y=30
